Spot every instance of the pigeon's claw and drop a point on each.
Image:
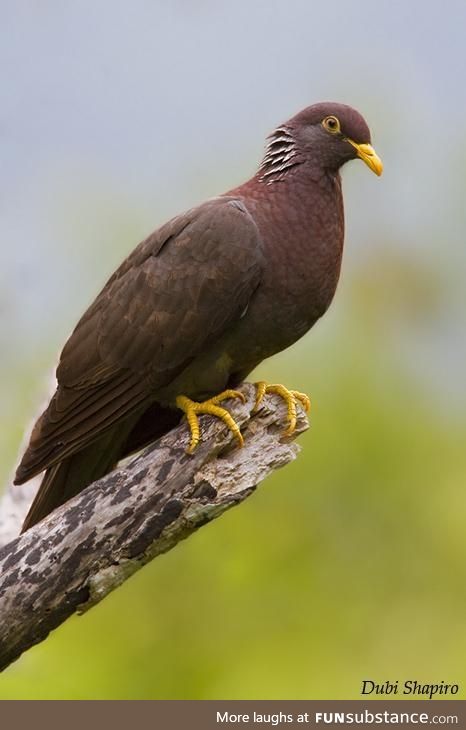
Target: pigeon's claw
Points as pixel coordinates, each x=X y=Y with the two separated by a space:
x=192 y=409
x=291 y=397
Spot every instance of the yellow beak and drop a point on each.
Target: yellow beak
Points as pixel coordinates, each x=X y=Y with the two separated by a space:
x=368 y=155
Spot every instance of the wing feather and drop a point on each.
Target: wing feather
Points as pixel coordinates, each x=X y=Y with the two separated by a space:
x=177 y=292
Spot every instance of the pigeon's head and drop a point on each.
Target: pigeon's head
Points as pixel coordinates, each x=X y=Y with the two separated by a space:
x=335 y=133
x=325 y=135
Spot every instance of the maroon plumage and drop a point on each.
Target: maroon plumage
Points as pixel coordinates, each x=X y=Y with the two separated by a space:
x=199 y=304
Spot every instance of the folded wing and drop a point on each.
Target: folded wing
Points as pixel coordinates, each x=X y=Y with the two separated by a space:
x=179 y=290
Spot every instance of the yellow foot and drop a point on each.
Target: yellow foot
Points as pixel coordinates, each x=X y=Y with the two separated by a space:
x=192 y=409
x=289 y=396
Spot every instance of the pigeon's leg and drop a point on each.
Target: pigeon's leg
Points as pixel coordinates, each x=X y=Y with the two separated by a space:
x=291 y=397
x=192 y=409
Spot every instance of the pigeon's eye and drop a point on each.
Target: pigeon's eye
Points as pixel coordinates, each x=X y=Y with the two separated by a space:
x=331 y=124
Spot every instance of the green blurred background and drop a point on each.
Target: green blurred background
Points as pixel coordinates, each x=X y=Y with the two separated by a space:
x=350 y=563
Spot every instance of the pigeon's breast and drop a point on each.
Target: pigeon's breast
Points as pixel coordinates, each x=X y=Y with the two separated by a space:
x=302 y=230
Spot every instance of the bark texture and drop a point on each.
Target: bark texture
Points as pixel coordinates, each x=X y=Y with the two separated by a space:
x=89 y=546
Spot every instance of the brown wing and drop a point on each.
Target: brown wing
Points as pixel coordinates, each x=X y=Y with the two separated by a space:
x=178 y=290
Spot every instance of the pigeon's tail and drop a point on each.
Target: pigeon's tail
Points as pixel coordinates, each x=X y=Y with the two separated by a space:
x=70 y=476
x=64 y=480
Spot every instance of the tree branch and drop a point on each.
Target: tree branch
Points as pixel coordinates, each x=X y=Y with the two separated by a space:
x=90 y=545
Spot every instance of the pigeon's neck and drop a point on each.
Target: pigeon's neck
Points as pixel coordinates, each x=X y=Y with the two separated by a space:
x=285 y=161
x=290 y=178
x=282 y=155
x=302 y=193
